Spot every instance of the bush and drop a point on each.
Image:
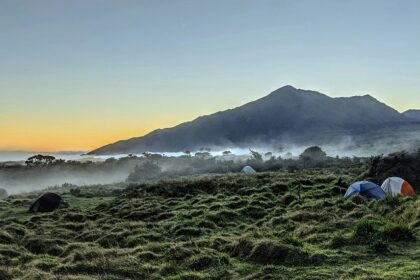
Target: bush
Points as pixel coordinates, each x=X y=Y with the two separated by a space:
x=370 y=231
x=145 y=172
x=365 y=230
x=398 y=233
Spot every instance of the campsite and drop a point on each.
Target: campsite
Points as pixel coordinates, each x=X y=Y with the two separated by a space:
x=282 y=224
x=209 y=140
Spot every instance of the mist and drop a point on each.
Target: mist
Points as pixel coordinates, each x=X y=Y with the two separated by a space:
x=78 y=169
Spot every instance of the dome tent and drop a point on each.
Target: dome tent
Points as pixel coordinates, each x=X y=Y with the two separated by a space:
x=367 y=189
x=248 y=170
x=397 y=186
x=3 y=193
x=48 y=202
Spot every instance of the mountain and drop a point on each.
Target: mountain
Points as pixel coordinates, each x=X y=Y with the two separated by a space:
x=287 y=114
x=412 y=114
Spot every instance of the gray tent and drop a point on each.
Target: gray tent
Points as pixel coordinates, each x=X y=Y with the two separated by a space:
x=3 y=193
x=248 y=170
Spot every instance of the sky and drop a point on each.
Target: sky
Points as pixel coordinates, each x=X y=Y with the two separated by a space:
x=75 y=75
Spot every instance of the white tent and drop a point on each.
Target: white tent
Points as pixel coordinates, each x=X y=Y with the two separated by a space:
x=248 y=170
x=397 y=186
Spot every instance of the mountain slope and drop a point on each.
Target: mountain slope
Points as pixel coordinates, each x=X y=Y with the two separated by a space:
x=412 y=114
x=288 y=114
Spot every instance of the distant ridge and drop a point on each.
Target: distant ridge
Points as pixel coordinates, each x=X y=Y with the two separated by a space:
x=412 y=114
x=286 y=114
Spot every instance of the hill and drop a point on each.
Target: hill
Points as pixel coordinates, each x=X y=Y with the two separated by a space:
x=265 y=226
x=285 y=115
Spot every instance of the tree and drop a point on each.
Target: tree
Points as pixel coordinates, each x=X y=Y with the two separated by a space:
x=314 y=153
x=145 y=172
x=256 y=156
x=40 y=160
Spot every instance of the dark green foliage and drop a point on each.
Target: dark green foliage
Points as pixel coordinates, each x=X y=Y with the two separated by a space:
x=402 y=164
x=313 y=153
x=144 y=172
x=380 y=247
x=397 y=233
x=372 y=230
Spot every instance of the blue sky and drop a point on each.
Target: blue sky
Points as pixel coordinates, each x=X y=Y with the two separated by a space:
x=90 y=72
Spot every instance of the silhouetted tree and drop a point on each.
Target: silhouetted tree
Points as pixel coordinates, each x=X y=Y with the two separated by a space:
x=144 y=172
x=39 y=160
x=313 y=153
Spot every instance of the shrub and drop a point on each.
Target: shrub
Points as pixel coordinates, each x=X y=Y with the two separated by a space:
x=365 y=230
x=147 y=171
x=370 y=231
x=397 y=233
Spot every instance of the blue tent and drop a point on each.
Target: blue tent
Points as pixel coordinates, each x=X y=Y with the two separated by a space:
x=366 y=189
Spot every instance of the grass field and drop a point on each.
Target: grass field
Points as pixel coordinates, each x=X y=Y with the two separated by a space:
x=265 y=226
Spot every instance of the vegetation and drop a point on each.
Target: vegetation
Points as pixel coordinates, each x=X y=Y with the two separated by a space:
x=273 y=225
x=402 y=164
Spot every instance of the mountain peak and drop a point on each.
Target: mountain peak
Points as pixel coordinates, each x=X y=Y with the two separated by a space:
x=304 y=116
x=284 y=90
x=286 y=87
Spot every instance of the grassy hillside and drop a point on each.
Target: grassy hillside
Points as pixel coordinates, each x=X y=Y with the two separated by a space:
x=264 y=226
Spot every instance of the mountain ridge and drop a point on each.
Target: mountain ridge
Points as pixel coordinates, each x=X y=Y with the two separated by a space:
x=287 y=113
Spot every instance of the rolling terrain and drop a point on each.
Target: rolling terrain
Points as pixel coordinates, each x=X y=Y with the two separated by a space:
x=282 y=225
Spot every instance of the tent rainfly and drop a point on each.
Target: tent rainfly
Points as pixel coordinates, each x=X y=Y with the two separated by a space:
x=248 y=170
x=366 y=189
x=394 y=186
x=48 y=202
